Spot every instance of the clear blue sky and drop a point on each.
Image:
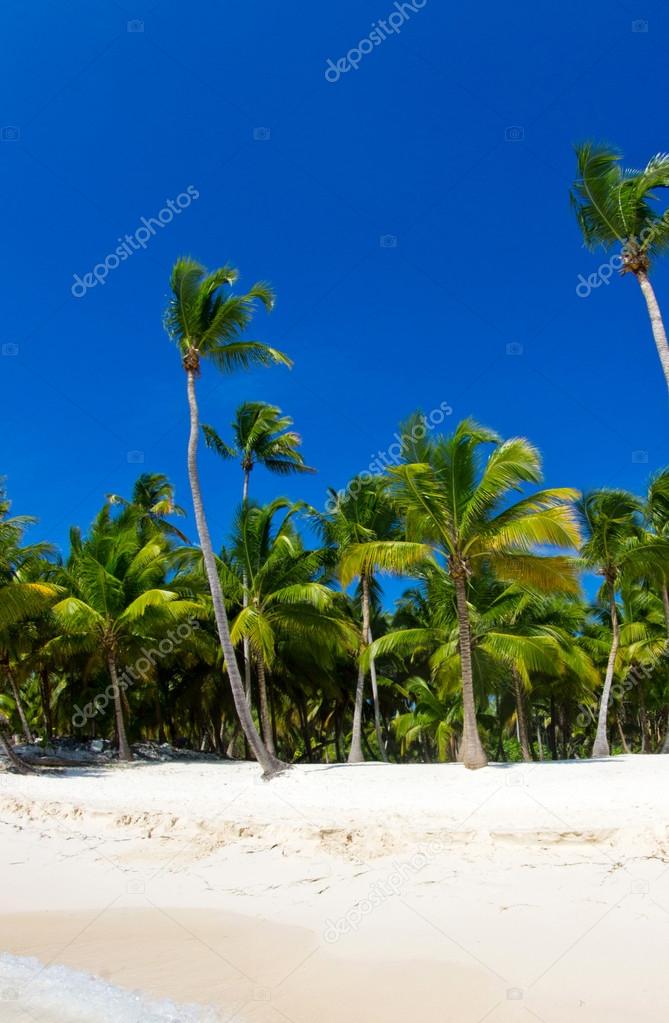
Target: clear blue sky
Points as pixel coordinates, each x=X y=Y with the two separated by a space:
x=299 y=179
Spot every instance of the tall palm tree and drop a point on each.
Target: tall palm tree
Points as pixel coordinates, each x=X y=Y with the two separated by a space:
x=116 y=600
x=454 y=507
x=262 y=436
x=613 y=206
x=206 y=321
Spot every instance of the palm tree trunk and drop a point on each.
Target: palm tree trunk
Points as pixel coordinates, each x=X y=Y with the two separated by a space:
x=245 y=603
x=28 y=735
x=265 y=720
x=377 y=708
x=521 y=719
x=623 y=740
x=355 y=755
x=552 y=731
x=269 y=763
x=643 y=719
x=665 y=601
x=601 y=744
x=472 y=753
x=15 y=761
x=656 y=323
x=124 y=751
x=45 y=692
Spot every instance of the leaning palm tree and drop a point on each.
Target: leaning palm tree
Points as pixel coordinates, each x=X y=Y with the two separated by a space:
x=613 y=207
x=454 y=505
x=206 y=321
x=262 y=436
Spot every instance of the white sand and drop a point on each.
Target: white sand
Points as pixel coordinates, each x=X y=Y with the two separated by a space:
x=373 y=892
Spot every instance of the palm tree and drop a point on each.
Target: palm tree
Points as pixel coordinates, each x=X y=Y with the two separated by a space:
x=205 y=320
x=613 y=206
x=286 y=598
x=116 y=600
x=453 y=503
x=262 y=436
x=24 y=592
x=362 y=515
x=613 y=529
x=153 y=498
x=657 y=516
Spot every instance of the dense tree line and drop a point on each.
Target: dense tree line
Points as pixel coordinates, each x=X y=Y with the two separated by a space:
x=278 y=644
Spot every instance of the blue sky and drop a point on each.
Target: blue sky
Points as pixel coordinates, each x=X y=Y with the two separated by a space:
x=410 y=234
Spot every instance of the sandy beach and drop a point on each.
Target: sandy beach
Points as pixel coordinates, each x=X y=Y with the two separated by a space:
x=377 y=892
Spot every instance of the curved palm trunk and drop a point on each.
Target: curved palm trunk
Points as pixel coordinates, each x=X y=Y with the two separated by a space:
x=472 y=753
x=269 y=763
x=377 y=708
x=601 y=745
x=659 y=333
x=356 y=755
x=265 y=719
x=14 y=761
x=124 y=751
x=28 y=735
x=523 y=735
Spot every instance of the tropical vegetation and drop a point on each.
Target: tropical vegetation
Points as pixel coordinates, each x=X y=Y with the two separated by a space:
x=533 y=621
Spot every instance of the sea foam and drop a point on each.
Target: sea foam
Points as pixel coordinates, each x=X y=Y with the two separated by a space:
x=57 y=994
